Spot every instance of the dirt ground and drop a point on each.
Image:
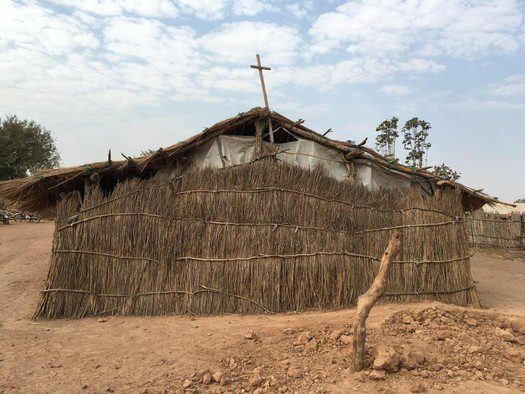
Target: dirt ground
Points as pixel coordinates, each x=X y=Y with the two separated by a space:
x=453 y=349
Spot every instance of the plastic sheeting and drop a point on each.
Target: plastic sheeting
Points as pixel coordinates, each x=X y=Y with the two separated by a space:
x=229 y=150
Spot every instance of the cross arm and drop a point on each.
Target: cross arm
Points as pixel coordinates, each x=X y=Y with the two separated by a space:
x=260 y=67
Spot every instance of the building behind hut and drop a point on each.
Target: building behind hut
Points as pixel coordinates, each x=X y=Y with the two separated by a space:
x=228 y=222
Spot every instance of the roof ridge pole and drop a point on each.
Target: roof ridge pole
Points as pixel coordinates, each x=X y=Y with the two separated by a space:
x=259 y=67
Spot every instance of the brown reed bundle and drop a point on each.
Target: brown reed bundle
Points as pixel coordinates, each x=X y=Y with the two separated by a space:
x=261 y=237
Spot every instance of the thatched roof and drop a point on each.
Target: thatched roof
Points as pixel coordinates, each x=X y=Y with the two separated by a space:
x=42 y=189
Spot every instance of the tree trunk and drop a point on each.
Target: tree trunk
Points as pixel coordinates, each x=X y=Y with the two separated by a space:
x=366 y=301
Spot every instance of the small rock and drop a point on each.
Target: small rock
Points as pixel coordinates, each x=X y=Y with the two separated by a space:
x=304 y=337
x=360 y=376
x=312 y=344
x=187 y=383
x=418 y=388
x=346 y=339
x=232 y=363
x=217 y=376
x=377 y=374
x=101 y=320
x=250 y=335
x=206 y=378
x=256 y=381
x=504 y=334
x=475 y=349
x=334 y=336
x=407 y=319
x=513 y=355
x=386 y=359
x=412 y=359
x=518 y=325
x=471 y=322
x=294 y=373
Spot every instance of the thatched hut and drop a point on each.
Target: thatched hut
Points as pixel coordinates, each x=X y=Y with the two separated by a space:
x=228 y=221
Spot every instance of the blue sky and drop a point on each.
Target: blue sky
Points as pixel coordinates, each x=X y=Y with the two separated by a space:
x=135 y=74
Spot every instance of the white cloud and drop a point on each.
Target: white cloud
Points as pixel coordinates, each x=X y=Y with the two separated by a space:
x=238 y=42
x=300 y=9
x=204 y=9
x=396 y=90
x=508 y=94
x=148 y=8
x=425 y=28
x=251 y=7
x=475 y=104
x=513 y=86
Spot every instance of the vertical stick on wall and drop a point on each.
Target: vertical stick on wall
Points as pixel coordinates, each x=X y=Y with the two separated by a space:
x=259 y=130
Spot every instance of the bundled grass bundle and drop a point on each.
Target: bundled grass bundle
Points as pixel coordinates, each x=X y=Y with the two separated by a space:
x=491 y=230
x=260 y=237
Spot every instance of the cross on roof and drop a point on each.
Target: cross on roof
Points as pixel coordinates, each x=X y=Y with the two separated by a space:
x=261 y=77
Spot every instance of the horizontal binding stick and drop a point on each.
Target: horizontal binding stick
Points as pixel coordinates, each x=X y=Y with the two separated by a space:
x=237 y=296
x=289 y=225
x=267 y=189
x=258 y=257
x=426 y=292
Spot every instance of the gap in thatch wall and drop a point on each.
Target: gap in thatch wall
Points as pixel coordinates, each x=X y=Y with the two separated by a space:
x=261 y=237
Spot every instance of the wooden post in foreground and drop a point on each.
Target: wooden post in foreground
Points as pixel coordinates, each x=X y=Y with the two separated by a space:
x=366 y=301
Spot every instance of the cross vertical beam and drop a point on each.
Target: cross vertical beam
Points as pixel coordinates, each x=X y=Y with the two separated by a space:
x=260 y=67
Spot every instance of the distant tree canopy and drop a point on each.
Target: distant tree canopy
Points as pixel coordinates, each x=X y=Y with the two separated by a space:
x=415 y=141
x=25 y=146
x=445 y=172
x=386 y=139
x=147 y=152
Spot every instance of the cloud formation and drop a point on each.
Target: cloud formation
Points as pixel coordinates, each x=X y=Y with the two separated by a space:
x=424 y=28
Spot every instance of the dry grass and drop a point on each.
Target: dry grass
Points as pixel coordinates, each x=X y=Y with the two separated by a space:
x=259 y=237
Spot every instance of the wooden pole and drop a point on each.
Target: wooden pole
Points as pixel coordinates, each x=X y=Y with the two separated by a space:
x=366 y=301
x=261 y=77
x=260 y=67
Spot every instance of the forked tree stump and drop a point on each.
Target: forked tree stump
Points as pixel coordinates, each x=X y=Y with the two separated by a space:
x=366 y=301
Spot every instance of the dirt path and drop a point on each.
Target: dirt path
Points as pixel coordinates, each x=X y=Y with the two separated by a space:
x=156 y=354
x=500 y=283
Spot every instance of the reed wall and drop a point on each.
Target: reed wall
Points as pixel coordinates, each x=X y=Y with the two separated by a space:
x=261 y=237
x=491 y=230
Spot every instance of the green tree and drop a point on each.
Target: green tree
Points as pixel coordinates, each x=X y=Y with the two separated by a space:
x=415 y=141
x=386 y=139
x=445 y=172
x=147 y=152
x=25 y=146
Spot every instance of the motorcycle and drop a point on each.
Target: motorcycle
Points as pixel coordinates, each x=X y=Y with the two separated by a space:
x=4 y=217
x=29 y=217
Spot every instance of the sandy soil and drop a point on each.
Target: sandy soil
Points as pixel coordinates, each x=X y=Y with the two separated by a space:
x=157 y=354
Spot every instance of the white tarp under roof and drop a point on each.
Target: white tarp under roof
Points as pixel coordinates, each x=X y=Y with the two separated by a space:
x=228 y=150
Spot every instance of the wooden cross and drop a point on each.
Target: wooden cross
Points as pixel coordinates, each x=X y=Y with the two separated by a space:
x=261 y=77
x=259 y=67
